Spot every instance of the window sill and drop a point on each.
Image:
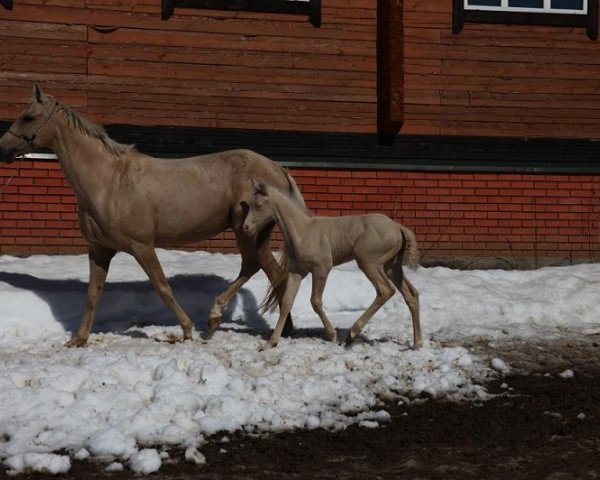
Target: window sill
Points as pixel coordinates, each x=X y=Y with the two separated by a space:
x=311 y=8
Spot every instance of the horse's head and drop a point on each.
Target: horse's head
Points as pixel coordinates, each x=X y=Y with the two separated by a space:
x=260 y=210
x=30 y=130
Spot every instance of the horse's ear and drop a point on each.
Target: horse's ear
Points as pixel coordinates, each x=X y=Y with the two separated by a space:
x=37 y=92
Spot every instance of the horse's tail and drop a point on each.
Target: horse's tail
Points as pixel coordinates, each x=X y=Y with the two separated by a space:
x=409 y=251
x=278 y=283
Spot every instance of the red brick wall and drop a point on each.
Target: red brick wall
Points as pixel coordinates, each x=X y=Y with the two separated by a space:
x=453 y=214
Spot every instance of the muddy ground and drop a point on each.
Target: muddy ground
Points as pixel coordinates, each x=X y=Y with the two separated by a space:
x=543 y=426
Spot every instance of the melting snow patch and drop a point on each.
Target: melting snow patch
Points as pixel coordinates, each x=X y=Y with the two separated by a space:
x=39 y=462
x=145 y=461
x=567 y=374
x=126 y=391
x=500 y=365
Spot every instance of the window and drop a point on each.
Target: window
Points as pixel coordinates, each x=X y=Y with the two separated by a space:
x=576 y=7
x=568 y=13
x=8 y=4
x=312 y=8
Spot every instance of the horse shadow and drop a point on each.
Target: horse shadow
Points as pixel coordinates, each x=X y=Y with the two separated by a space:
x=124 y=305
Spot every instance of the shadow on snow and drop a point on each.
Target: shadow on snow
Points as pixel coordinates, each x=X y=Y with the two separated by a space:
x=136 y=304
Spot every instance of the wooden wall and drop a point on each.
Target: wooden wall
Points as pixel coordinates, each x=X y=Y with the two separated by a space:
x=118 y=62
x=501 y=80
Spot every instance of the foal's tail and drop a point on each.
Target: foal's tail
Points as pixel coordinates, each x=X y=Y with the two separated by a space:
x=281 y=274
x=409 y=251
x=279 y=282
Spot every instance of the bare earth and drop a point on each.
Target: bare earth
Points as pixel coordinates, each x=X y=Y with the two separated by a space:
x=543 y=427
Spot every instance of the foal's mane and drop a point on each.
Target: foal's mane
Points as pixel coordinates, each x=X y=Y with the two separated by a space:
x=91 y=129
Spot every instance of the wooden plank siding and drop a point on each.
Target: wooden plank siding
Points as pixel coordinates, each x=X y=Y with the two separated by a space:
x=118 y=62
x=498 y=80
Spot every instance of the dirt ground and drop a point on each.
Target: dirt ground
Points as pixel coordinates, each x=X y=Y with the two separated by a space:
x=543 y=426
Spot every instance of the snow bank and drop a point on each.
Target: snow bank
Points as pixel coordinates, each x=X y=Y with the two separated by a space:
x=127 y=390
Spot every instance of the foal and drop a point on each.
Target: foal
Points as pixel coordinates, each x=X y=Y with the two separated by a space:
x=316 y=244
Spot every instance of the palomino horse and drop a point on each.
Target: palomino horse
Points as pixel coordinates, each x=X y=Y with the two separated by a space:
x=131 y=202
x=316 y=244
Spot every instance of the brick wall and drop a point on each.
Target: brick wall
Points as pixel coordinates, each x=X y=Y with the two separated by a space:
x=453 y=214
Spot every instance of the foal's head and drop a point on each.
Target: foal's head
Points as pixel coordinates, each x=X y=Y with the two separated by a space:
x=260 y=210
x=31 y=130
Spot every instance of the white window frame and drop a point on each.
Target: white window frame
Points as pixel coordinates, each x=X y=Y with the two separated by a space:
x=545 y=9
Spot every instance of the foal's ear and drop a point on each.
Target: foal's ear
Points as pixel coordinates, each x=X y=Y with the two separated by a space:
x=37 y=92
x=259 y=187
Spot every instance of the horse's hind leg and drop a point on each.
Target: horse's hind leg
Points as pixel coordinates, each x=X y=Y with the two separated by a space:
x=146 y=257
x=99 y=260
x=384 y=292
x=250 y=265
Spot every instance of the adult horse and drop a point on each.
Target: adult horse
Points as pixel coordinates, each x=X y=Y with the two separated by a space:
x=132 y=202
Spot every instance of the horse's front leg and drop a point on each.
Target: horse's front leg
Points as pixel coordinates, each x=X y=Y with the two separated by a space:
x=99 y=260
x=293 y=284
x=146 y=257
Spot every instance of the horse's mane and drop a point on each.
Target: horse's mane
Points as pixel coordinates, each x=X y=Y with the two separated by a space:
x=91 y=129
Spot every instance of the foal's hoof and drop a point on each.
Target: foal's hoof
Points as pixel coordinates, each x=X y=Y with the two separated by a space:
x=332 y=337
x=77 y=342
x=267 y=346
x=208 y=335
x=288 y=327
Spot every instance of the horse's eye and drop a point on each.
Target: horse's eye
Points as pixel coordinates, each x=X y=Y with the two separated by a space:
x=27 y=118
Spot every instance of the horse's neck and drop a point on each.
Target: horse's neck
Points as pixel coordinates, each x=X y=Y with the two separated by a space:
x=85 y=162
x=292 y=221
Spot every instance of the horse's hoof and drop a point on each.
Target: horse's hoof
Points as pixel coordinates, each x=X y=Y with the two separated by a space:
x=76 y=342
x=349 y=340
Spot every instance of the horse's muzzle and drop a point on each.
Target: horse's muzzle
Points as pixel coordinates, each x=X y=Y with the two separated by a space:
x=7 y=155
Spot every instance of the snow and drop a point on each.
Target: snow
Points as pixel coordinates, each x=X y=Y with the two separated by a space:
x=129 y=390
x=567 y=374
x=145 y=461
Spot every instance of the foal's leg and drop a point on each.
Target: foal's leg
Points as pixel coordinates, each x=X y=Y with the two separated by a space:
x=319 y=279
x=411 y=297
x=99 y=260
x=384 y=292
x=293 y=284
x=271 y=267
x=146 y=257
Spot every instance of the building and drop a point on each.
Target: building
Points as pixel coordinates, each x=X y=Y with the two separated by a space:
x=475 y=122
